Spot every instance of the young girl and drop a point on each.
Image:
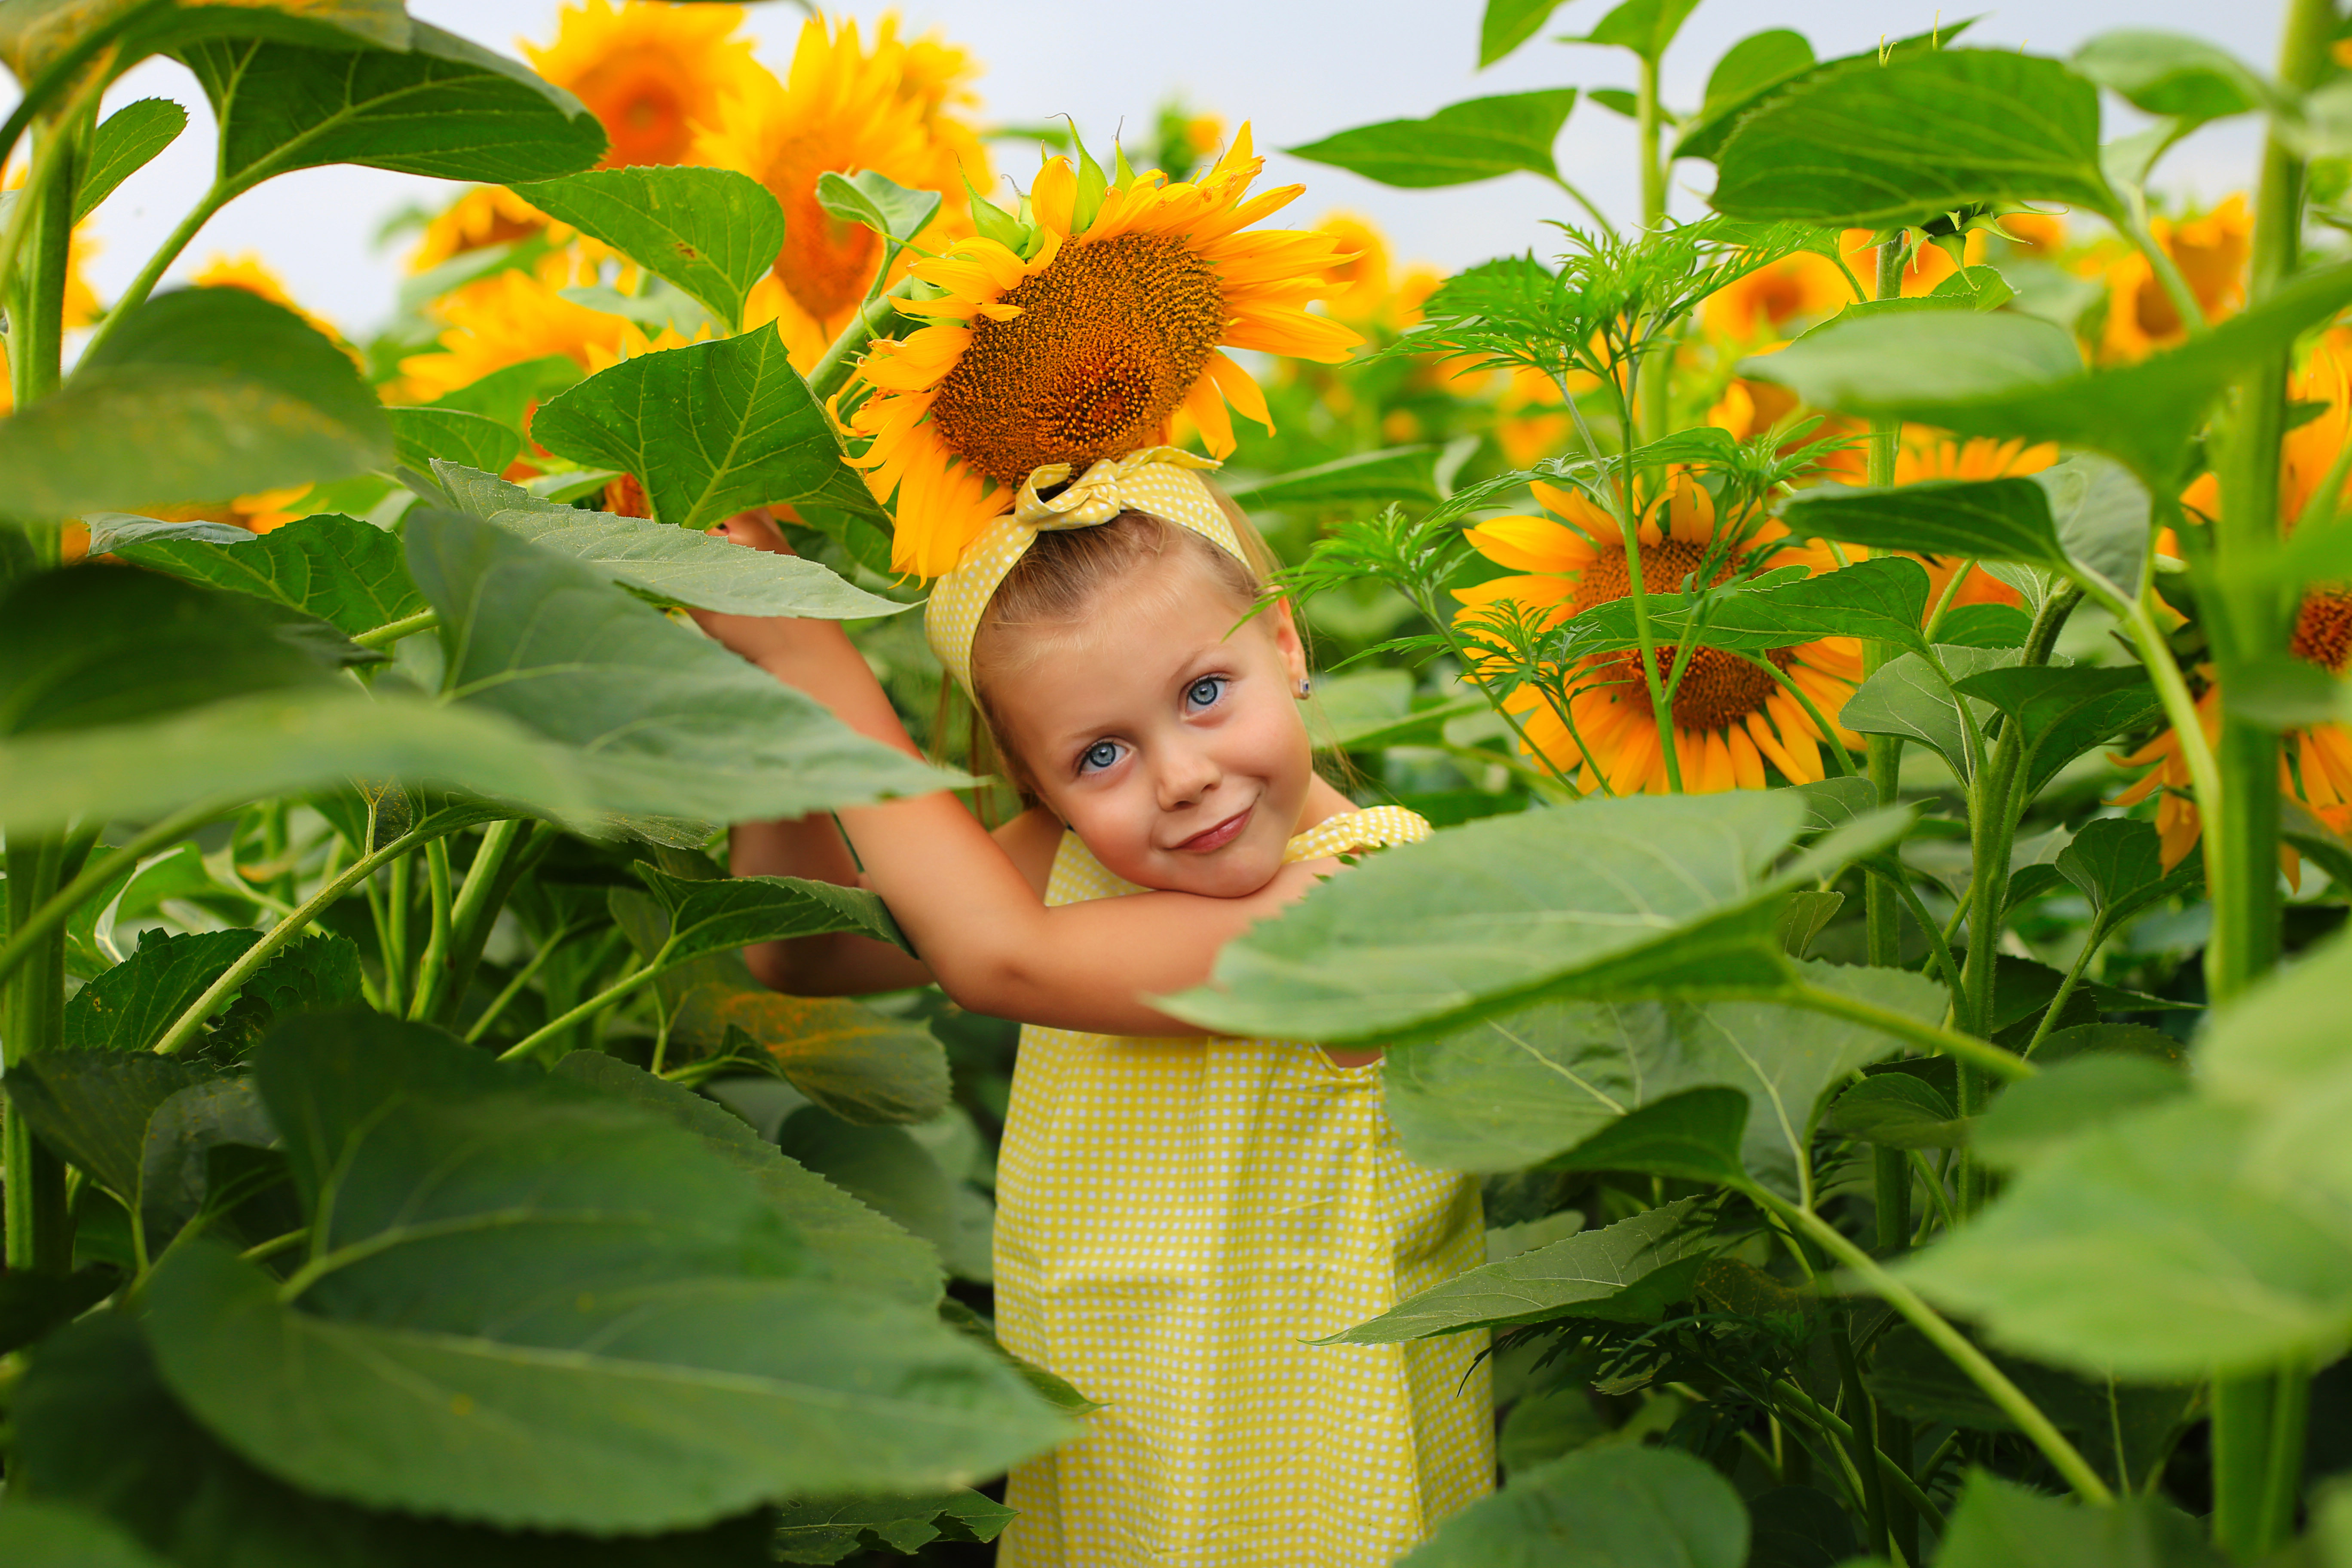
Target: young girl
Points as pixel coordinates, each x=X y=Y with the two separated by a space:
x=1178 y=1215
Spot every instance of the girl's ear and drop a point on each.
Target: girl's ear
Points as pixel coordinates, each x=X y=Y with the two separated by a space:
x=1287 y=642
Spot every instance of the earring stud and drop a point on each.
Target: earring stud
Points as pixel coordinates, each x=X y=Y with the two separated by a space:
x=1306 y=686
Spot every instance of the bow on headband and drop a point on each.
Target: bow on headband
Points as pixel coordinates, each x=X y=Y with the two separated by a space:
x=1164 y=481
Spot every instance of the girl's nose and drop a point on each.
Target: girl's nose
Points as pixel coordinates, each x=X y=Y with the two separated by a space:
x=1185 y=776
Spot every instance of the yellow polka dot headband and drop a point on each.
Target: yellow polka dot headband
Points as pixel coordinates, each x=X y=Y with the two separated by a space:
x=1164 y=481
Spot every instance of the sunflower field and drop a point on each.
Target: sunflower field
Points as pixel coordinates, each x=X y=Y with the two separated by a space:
x=1874 y=654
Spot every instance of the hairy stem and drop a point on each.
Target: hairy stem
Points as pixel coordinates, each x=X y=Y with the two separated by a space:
x=1962 y=1048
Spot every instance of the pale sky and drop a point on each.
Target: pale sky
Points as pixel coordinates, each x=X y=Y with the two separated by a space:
x=1299 y=68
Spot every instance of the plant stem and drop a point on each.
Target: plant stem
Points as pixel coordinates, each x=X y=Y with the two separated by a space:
x=1978 y=1368
x=1810 y=1410
x=2241 y=1441
x=1581 y=199
x=1863 y=1437
x=219 y=196
x=508 y=849
x=832 y=369
x=1839 y=765
x=397 y=913
x=43 y=215
x=1883 y=754
x=393 y=631
x=1939 y=951
x=2098 y=934
x=25 y=935
x=2290 y=1417
x=616 y=992
x=435 y=955
x=514 y=988
x=1629 y=526
x=183 y=1028
x=39 y=1236
x=1902 y=1027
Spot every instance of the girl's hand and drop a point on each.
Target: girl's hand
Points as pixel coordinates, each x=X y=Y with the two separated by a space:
x=757 y=529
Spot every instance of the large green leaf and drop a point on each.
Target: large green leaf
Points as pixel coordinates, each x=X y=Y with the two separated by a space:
x=2033 y=1118
x=1899 y=1110
x=197 y=394
x=1622 y=898
x=2064 y=711
x=538 y=1304
x=847 y=1243
x=1885 y=599
x=1880 y=145
x=1986 y=519
x=1476 y=140
x=829 y=1532
x=423 y=436
x=1909 y=697
x=35 y=35
x=98 y=1428
x=2148 y=1247
x=1507 y=23
x=726 y=912
x=1646 y=27
x=443 y=107
x=35 y=1534
x=712 y=232
x=2000 y=1524
x=92 y=1106
x=709 y=430
x=656 y=717
x=671 y=563
x=2008 y=375
x=864 y=1066
x=2169 y=74
x=129 y=1008
x=122 y=144
x=1525 y=1086
x=1574 y=1278
x=1755 y=70
x=2279 y=1052
x=341 y=571
x=176 y=1161
x=1618 y=1506
x=1394 y=473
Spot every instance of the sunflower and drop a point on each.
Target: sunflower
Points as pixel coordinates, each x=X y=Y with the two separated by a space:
x=1756 y=308
x=483 y=216
x=2039 y=235
x=1083 y=342
x=1925 y=453
x=844 y=107
x=2315 y=765
x=1730 y=718
x=2211 y=252
x=249 y=272
x=513 y=317
x=651 y=74
x=1359 y=282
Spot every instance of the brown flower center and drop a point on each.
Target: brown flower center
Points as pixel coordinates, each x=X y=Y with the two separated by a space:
x=636 y=99
x=826 y=263
x=1717 y=688
x=2323 y=629
x=1109 y=338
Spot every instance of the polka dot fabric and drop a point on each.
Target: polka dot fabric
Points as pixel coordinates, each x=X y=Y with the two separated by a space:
x=1176 y=1219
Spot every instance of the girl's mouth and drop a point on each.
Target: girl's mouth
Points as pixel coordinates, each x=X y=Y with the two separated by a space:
x=1216 y=837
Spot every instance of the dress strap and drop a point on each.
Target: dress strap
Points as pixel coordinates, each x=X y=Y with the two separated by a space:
x=1375 y=828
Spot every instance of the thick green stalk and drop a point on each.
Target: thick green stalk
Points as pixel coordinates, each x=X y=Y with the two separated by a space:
x=1629 y=526
x=1806 y=1408
x=507 y=850
x=2257 y=1447
x=391 y=632
x=619 y=991
x=1961 y=1047
x=398 y=919
x=1883 y=754
x=835 y=366
x=1864 y=1438
x=437 y=892
x=38 y=296
x=32 y=1014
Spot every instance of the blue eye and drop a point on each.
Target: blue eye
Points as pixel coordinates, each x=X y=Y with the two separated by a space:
x=1099 y=756
x=1204 y=693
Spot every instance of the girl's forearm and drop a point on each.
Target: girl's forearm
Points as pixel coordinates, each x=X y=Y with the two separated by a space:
x=841 y=964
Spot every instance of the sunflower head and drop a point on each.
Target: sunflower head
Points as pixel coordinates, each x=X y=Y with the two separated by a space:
x=651 y=74
x=842 y=107
x=1079 y=335
x=1799 y=288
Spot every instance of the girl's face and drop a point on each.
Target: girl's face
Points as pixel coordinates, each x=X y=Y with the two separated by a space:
x=1165 y=736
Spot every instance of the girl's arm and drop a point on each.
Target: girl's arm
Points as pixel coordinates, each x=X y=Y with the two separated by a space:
x=980 y=923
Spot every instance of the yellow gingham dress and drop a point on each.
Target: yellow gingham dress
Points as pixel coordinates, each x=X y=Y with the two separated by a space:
x=1175 y=1217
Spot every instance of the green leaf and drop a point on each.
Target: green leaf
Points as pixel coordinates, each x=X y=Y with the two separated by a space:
x=35 y=1534
x=1875 y=145
x=1575 y=1277
x=99 y=1430
x=1907 y=697
x=1459 y=144
x=712 y=232
x=655 y=718
x=507 y=396
x=443 y=107
x=1997 y=519
x=1704 y=132
x=123 y=143
x=176 y=1167
x=1529 y=1087
x=92 y=1106
x=1622 y=898
x=2137 y=1039
x=2030 y=1119
x=710 y=430
x=1885 y=599
x=2170 y=74
x=2117 y=862
x=197 y=394
x=316 y=973
x=1899 y=1111
x=829 y=1532
x=1618 y=1507
x=129 y=1008
x=1394 y=473
x=33 y=1305
x=2064 y=710
x=2148 y=1248
x=864 y=1066
x=2000 y=1524
x=420 y=435
x=848 y=1243
x=885 y=1168
x=1645 y=26
x=1507 y=23
x=1984 y=625
x=2009 y=376
x=727 y=912
x=343 y=572
x=670 y=563
x=882 y=205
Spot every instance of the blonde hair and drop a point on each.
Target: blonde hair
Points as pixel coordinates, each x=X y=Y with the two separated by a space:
x=1065 y=572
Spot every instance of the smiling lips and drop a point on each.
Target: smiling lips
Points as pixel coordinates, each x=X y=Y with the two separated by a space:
x=1216 y=837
